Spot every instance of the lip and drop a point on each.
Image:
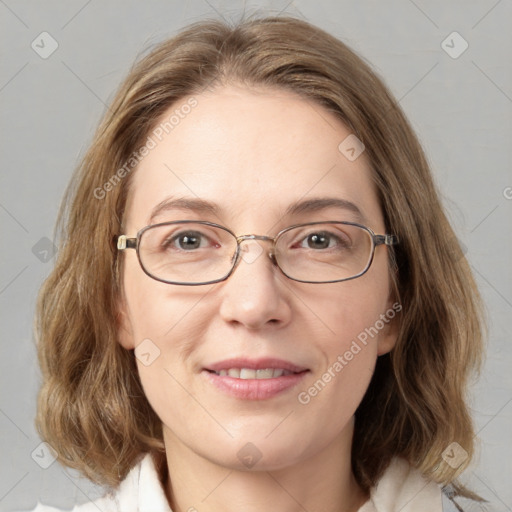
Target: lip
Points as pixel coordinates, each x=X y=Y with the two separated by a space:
x=254 y=389
x=255 y=364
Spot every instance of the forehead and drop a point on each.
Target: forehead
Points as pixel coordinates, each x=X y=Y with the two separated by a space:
x=252 y=152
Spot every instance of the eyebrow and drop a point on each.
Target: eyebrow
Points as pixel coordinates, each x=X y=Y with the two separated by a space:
x=184 y=203
x=203 y=206
x=323 y=203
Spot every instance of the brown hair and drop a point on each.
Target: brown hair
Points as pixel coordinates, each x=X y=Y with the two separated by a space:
x=91 y=406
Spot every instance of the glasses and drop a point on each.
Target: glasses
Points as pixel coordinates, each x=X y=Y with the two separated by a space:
x=189 y=252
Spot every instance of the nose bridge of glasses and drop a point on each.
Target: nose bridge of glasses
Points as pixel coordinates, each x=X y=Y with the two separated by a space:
x=251 y=255
x=242 y=238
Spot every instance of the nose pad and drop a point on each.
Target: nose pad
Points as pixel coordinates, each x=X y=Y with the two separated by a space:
x=251 y=255
x=251 y=251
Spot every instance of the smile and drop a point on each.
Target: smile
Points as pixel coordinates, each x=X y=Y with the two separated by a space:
x=250 y=373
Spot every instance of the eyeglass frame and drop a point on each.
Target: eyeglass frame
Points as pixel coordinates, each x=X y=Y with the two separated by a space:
x=124 y=242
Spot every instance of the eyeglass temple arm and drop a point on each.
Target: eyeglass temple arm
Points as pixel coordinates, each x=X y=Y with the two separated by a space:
x=123 y=242
x=385 y=239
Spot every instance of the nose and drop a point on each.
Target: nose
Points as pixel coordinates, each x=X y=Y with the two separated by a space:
x=255 y=293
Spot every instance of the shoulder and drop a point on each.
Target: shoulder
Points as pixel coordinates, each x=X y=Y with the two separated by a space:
x=141 y=490
x=402 y=487
x=108 y=503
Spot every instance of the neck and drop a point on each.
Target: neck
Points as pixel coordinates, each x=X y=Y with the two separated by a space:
x=323 y=481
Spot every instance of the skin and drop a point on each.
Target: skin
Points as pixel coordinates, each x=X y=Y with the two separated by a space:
x=254 y=152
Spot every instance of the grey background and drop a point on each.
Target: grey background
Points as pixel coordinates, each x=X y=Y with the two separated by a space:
x=461 y=108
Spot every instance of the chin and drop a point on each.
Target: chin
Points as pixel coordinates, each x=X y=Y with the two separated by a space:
x=261 y=451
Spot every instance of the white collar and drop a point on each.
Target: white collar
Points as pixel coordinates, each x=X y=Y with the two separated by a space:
x=401 y=487
x=142 y=487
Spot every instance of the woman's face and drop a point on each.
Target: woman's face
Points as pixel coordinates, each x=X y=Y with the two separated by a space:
x=254 y=153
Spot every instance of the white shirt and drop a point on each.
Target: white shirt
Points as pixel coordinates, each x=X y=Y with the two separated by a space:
x=401 y=488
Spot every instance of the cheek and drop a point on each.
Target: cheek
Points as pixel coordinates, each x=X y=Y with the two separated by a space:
x=350 y=310
x=348 y=344
x=154 y=308
x=328 y=399
x=354 y=316
x=167 y=323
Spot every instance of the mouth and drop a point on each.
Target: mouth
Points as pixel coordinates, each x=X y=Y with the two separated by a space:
x=244 y=368
x=249 y=373
x=254 y=379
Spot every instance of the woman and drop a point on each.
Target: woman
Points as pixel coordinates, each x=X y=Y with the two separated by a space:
x=258 y=302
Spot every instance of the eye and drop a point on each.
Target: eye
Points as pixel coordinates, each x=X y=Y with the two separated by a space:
x=324 y=240
x=187 y=241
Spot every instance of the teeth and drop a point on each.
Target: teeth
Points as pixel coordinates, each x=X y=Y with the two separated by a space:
x=245 y=373
x=268 y=373
x=249 y=373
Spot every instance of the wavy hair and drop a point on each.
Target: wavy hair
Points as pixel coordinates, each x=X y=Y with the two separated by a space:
x=91 y=406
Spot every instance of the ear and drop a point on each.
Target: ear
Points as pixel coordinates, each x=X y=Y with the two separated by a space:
x=389 y=334
x=124 y=327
